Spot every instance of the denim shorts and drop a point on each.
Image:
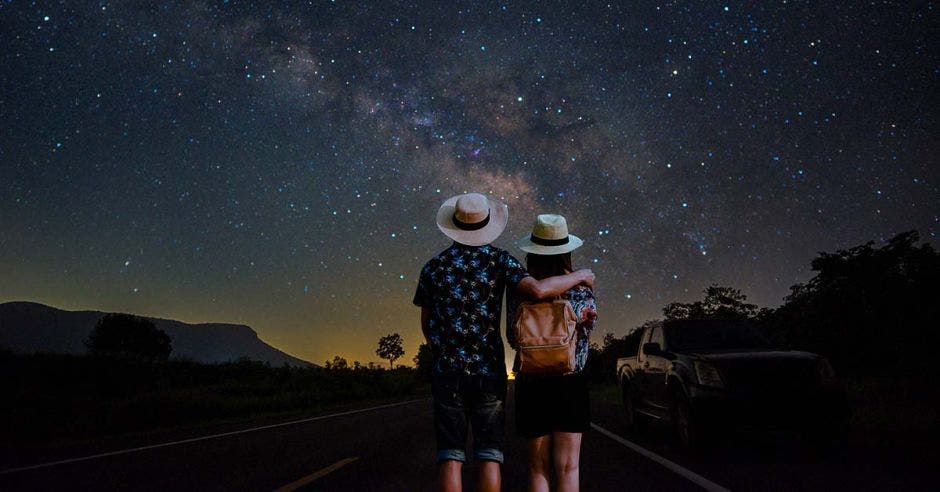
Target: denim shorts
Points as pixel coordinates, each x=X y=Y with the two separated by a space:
x=462 y=402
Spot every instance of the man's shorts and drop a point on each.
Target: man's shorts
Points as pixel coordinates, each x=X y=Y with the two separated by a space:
x=462 y=402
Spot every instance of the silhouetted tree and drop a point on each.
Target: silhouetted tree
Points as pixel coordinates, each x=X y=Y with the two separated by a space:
x=391 y=348
x=594 y=366
x=719 y=303
x=614 y=348
x=126 y=334
x=871 y=310
x=424 y=362
x=339 y=363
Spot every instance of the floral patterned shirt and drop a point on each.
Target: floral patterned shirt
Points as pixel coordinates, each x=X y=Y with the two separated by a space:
x=463 y=289
x=585 y=309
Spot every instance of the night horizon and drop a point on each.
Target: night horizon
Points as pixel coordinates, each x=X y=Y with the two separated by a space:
x=281 y=167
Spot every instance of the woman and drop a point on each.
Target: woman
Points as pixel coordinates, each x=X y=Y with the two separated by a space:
x=552 y=412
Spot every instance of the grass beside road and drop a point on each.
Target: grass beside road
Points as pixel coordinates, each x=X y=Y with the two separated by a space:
x=56 y=398
x=892 y=412
x=606 y=392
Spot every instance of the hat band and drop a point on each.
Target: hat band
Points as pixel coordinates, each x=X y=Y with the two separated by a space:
x=472 y=226
x=548 y=242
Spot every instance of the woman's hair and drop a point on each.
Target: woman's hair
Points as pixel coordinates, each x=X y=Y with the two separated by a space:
x=544 y=266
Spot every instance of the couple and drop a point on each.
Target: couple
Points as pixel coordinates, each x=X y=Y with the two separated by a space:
x=460 y=294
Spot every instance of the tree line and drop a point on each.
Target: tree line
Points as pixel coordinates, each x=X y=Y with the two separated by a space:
x=871 y=311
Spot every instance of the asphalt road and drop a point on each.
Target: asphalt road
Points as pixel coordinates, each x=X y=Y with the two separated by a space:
x=392 y=448
x=784 y=461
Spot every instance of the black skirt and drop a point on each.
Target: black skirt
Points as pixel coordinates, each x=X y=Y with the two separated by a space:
x=546 y=404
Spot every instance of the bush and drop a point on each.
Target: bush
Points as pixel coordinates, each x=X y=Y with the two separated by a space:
x=128 y=335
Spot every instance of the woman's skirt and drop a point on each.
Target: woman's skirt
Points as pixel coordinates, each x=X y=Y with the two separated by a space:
x=546 y=404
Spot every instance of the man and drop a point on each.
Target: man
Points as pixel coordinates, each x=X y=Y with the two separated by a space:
x=460 y=293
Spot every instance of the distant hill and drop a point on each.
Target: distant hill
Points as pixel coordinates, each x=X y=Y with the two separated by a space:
x=32 y=327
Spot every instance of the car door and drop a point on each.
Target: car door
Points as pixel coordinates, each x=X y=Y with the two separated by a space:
x=655 y=368
x=640 y=380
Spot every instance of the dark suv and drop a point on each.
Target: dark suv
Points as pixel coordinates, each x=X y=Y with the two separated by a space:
x=703 y=375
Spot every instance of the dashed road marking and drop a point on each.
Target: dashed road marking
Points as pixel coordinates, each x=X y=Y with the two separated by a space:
x=316 y=475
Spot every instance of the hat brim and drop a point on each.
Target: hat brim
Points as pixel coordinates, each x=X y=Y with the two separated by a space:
x=499 y=217
x=526 y=244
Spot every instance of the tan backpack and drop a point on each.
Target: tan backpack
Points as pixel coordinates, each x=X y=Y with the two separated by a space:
x=545 y=337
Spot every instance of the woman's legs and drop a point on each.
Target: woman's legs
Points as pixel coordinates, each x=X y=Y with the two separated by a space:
x=566 y=454
x=540 y=463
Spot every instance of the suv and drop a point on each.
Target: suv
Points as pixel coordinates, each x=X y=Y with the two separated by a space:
x=702 y=375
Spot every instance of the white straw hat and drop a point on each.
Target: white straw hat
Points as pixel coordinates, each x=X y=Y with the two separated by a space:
x=472 y=219
x=550 y=237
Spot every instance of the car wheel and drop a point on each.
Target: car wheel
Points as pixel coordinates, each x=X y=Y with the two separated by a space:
x=633 y=420
x=684 y=424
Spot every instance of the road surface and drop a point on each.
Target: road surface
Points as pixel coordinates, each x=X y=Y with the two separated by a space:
x=392 y=448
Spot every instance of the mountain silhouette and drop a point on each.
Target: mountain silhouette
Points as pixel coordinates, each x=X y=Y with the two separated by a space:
x=28 y=327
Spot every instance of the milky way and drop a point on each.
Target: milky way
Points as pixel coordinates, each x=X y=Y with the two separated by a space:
x=280 y=165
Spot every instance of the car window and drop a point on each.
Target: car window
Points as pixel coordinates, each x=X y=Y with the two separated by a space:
x=656 y=336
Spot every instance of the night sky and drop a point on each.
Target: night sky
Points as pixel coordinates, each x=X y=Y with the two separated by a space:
x=281 y=165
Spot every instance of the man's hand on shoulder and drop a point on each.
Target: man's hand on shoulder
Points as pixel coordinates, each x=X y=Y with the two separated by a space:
x=550 y=287
x=587 y=277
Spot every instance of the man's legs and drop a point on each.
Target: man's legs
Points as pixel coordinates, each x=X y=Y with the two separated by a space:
x=490 y=476
x=450 y=426
x=449 y=475
x=488 y=418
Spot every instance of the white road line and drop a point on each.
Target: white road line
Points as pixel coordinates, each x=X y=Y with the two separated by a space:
x=316 y=475
x=204 y=438
x=672 y=466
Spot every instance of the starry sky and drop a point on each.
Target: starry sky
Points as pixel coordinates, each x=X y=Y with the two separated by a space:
x=281 y=164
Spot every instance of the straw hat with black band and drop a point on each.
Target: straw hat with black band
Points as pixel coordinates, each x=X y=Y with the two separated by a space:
x=472 y=219
x=550 y=237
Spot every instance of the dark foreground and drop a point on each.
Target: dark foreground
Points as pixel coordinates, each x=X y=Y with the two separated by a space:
x=392 y=448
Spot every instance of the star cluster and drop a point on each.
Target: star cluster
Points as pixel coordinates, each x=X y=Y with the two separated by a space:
x=280 y=164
